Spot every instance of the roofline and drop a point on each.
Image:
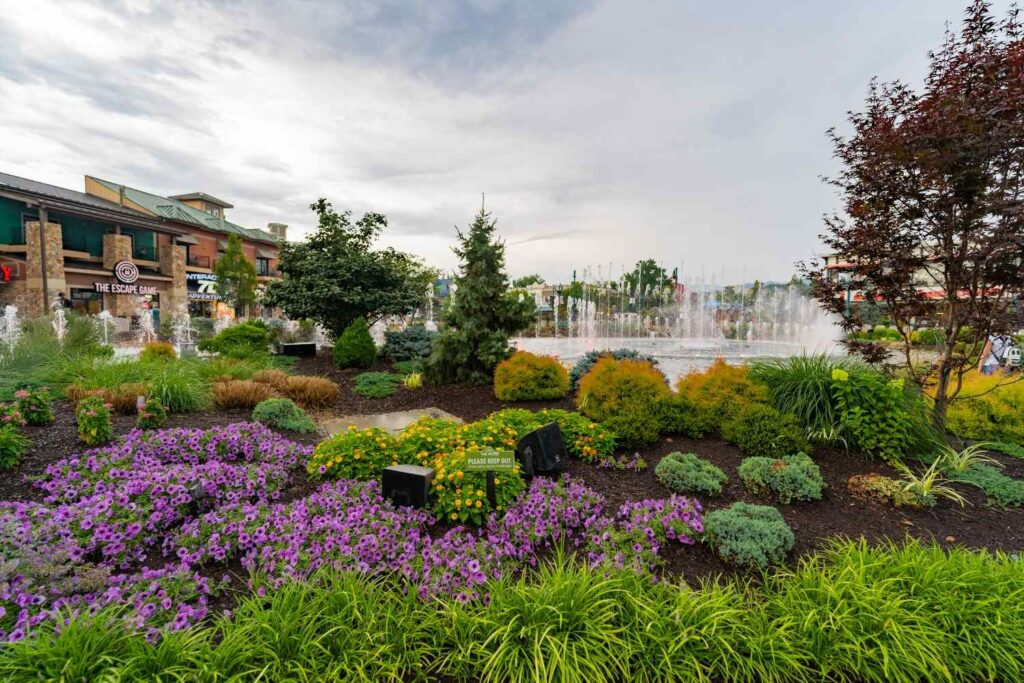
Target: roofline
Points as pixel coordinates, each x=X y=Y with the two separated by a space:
x=209 y=199
x=264 y=236
x=134 y=218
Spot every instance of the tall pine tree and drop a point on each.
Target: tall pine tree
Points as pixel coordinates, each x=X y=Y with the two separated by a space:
x=483 y=314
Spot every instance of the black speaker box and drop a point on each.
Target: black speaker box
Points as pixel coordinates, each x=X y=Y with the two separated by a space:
x=542 y=450
x=407 y=485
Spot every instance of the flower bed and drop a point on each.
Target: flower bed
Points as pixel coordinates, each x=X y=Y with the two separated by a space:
x=143 y=523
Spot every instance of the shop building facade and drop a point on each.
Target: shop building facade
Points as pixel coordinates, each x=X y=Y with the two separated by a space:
x=112 y=249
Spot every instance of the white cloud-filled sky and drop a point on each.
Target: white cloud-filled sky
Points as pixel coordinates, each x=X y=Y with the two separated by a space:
x=602 y=132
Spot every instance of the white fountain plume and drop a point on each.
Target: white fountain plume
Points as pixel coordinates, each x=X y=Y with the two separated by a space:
x=10 y=328
x=106 y=322
x=182 y=332
x=60 y=320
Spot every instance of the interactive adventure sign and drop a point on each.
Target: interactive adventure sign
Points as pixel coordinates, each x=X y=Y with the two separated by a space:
x=127 y=274
x=490 y=460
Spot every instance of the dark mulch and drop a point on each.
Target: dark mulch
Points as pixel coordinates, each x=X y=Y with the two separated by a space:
x=468 y=402
x=838 y=514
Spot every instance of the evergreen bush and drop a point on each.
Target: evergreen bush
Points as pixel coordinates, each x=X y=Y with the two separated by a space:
x=412 y=343
x=761 y=430
x=787 y=479
x=354 y=348
x=528 y=377
x=282 y=413
x=752 y=536
x=625 y=396
x=687 y=473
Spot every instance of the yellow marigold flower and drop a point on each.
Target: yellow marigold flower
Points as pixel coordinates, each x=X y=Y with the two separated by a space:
x=479 y=504
x=455 y=515
x=459 y=474
x=469 y=501
x=497 y=481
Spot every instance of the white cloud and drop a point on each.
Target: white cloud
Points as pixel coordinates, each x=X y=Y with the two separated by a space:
x=601 y=133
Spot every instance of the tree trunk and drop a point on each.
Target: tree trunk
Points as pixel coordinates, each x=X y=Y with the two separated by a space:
x=942 y=392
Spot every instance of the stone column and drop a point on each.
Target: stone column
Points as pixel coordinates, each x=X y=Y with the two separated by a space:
x=118 y=248
x=55 y=278
x=172 y=264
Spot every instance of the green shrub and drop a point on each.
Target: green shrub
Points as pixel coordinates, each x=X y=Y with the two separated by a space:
x=157 y=350
x=35 y=405
x=180 y=385
x=153 y=415
x=719 y=393
x=1001 y=490
x=376 y=384
x=94 y=423
x=407 y=367
x=763 y=431
x=12 y=446
x=687 y=473
x=789 y=478
x=625 y=396
x=251 y=338
x=679 y=416
x=354 y=348
x=879 y=416
x=928 y=337
x=282 y=413
x=803 y=385
x=746 y=535
x=587 y=361
x=412 y=343
x=528 y=377
x=353 y=454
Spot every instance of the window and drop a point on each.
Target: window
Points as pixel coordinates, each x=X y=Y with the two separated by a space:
x=262 y=266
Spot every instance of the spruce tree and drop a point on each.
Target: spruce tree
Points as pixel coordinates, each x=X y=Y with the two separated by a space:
x=483 y=314
x=236 y=277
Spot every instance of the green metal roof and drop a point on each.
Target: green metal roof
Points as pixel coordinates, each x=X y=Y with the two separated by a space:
x=174 y=210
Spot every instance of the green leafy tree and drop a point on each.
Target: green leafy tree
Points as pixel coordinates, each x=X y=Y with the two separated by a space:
x=337 y=276
x=236 y=276
x=527 y=280
x=646 y=279
x=483 y=314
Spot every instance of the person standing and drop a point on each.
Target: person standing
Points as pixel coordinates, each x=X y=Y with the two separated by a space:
x=992 y=355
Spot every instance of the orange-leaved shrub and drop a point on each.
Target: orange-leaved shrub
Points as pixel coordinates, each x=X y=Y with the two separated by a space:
x=272 y=377
x=311 y=392
x=240 y=393
x=721 y=393
x=528 y=377
x=626 y=397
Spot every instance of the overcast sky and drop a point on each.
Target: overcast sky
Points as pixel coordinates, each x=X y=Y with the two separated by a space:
x=601 y=132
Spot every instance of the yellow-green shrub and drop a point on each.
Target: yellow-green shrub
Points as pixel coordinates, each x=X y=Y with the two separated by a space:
x=626 y=397
x=157 y=349
x=720 y=393
x=528 y=377
x=985 y=411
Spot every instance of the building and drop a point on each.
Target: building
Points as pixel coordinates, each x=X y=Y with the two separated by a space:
x=113 y=247
x=201 y=216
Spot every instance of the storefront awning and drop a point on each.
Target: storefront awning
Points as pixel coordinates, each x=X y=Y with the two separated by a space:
x=187 y=239
x=264 y=253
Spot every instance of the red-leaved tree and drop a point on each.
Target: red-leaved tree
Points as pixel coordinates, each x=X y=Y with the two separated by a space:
x=932 y=226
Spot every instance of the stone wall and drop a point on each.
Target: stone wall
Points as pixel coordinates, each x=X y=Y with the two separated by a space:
x=172 y=264
x=55 y=279
x=118 y=248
